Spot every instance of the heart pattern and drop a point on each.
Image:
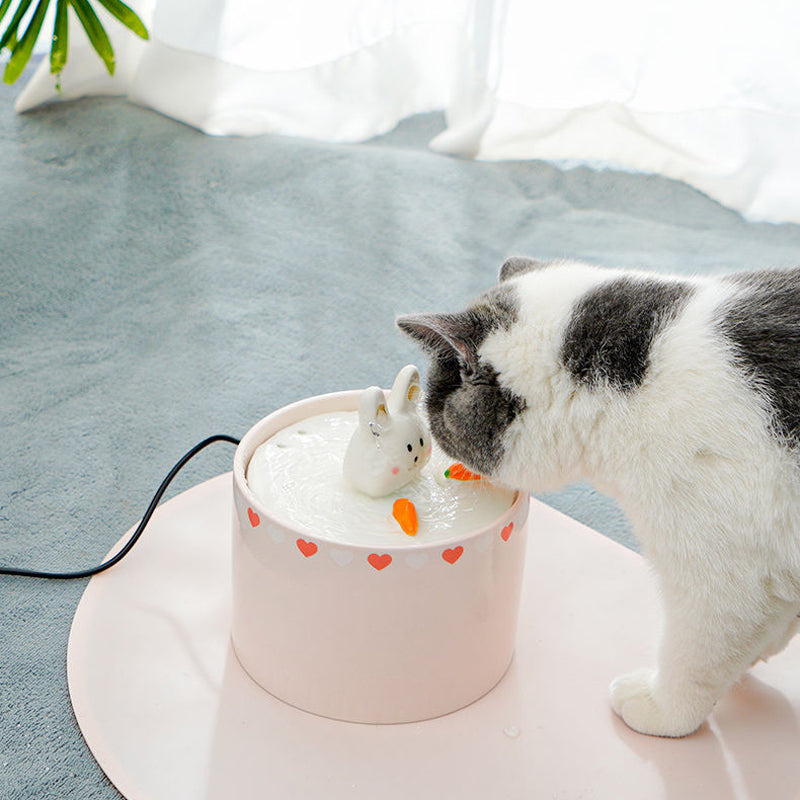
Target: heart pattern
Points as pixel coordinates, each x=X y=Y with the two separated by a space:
x=308 y=549
x=379 y=560
x=451 y=555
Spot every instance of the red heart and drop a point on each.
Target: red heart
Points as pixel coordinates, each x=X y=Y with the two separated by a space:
x=306 y=548
x=506 y=532
x=253 y=517
x=451 y=556
x=379 y=561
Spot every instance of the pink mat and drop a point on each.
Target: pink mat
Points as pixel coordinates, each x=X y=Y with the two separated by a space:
x=169 y=713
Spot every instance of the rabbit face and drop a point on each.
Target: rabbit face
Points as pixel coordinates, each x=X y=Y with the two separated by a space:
x=391 y=444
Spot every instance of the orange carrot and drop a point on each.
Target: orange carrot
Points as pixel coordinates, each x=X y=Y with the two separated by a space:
x=458 y=472
x=405 y=513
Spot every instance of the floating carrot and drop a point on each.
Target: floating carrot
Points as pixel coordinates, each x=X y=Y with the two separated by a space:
x=458 y=472
x=405 y=513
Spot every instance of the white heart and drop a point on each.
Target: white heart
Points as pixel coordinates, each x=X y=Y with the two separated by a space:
x=277 y=534
x=483 y=544
x=417 y=560
x=342 y=557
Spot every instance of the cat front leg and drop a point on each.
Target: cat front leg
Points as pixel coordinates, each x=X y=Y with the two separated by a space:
x=645 y=707
x=709 y=640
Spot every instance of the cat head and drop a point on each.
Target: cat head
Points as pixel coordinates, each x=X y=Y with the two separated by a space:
x=469 y=409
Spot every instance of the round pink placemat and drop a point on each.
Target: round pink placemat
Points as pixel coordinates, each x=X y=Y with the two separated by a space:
x=170 y=715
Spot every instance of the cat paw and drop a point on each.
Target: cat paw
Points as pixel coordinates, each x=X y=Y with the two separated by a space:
x=632 y=698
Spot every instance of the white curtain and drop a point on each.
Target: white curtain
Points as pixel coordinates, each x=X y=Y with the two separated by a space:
x=704 y=91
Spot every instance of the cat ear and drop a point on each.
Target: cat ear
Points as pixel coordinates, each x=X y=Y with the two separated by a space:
x=442 y=334
x=518 y=265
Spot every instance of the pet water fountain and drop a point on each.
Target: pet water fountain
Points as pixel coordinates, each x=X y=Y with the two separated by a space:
x=343 y=605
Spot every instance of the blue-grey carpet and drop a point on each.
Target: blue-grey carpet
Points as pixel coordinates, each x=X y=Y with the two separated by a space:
x=159 y=285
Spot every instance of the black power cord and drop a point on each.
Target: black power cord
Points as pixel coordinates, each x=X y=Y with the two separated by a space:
x=87 y=573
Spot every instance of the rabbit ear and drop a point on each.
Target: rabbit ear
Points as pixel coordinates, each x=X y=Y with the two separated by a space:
x=405 y=389
x=373 y=412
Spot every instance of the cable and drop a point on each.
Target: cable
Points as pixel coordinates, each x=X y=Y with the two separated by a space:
x=87 y=573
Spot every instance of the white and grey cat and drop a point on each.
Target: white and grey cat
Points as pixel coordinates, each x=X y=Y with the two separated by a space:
x=679 y=397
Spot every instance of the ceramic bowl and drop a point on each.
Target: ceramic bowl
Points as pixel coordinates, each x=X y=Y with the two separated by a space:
x=380 y=635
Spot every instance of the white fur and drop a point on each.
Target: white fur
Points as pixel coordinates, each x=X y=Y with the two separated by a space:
x=713 y=497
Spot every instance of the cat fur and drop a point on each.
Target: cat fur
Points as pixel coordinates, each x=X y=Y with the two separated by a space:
x=677 y=396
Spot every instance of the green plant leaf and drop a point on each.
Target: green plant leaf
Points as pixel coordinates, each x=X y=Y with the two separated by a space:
x=11 y=30
x=4 y=6
x=23 y=49
x=127 y=16
x=95 y=31
x=58 y=51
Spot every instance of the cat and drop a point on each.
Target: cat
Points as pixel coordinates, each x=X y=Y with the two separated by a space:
x=677 y=396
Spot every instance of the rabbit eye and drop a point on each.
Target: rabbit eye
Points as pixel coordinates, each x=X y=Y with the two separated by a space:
x=421 y=443
x=409 y=447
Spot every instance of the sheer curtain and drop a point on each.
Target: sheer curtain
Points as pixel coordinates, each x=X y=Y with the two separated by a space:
x=706 y=92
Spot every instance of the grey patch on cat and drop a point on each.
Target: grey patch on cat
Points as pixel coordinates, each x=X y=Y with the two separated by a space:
x=469 y=414
x=519 y=265
x=468 y=408
x=465 y=331
x=762 y=322
x=498 y=307
x=612 y=328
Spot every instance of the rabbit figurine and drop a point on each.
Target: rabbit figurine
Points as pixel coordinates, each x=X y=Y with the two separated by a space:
x=391 y=444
